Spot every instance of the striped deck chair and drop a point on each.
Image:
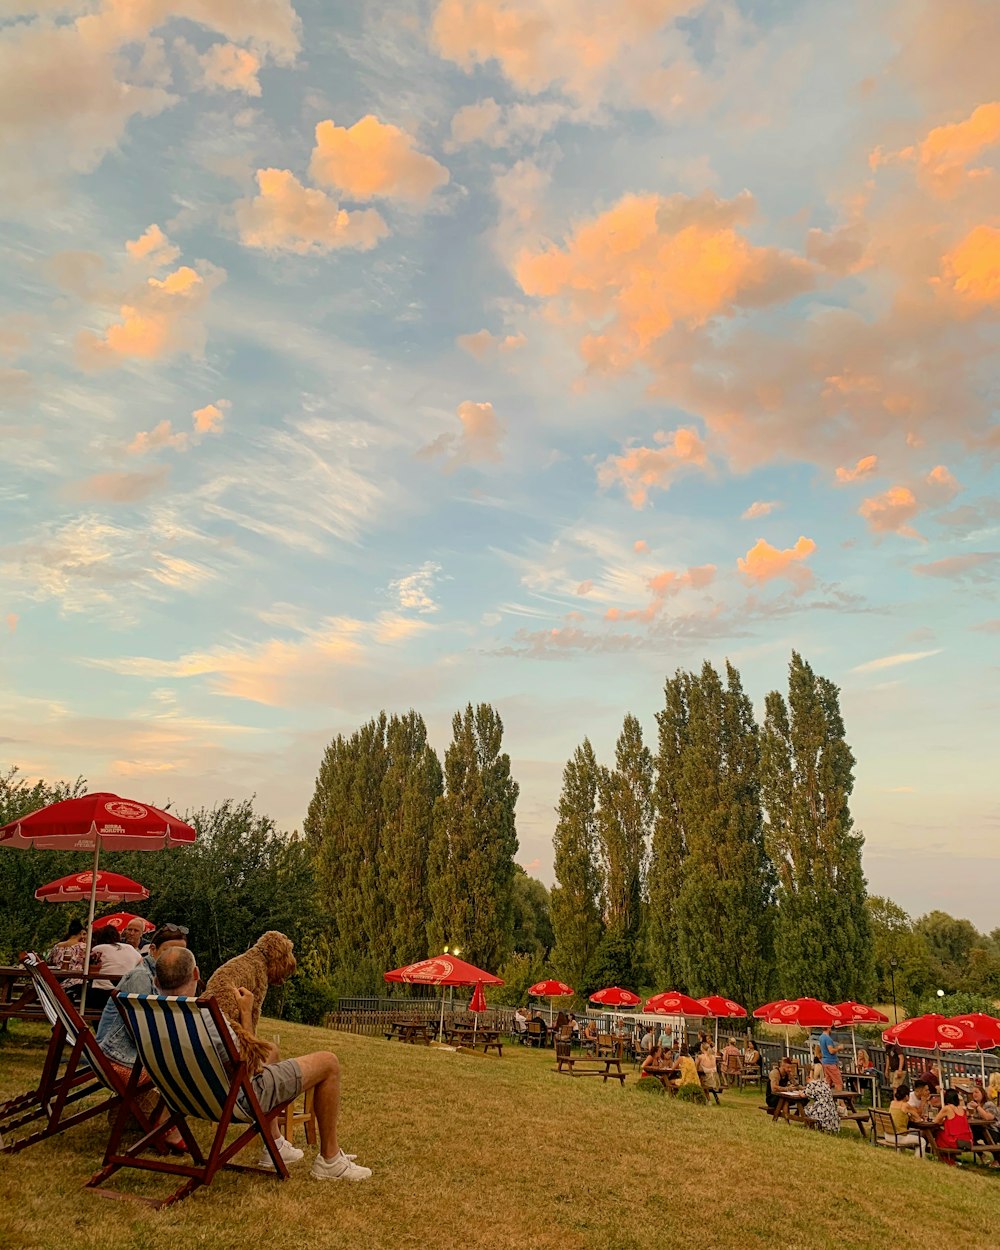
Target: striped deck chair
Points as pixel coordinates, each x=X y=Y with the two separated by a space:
x=66 y=1078
x=176 y=1048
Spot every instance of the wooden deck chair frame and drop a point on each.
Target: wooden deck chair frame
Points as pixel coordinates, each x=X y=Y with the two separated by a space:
x=63 y=1084
x=885 y=1133
x=175 y=1049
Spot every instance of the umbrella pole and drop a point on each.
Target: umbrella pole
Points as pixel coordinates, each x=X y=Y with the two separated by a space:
x=854 y=1044
x=441 y=1026
x=90 y=921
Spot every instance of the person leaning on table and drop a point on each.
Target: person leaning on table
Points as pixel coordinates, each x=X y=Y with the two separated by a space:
x=903 y=1113
x=779 y=1082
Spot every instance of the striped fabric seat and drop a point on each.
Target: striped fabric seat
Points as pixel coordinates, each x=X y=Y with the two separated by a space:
x=60 y=1010
x=173 y=1037
x=188 y=1049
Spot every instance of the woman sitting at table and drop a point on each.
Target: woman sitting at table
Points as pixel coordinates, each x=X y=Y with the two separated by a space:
x=112 y=956
x=821 y=1105
x=865 y=1065
x=689 y=1077
x=751 y=1058
x=987 y=1130
x=654 y=1063
x=953 y=1128
x=902 y=1116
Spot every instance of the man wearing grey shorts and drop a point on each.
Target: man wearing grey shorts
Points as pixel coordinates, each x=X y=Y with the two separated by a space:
x=279 y=1080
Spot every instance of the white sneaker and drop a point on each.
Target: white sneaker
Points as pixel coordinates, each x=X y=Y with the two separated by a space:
x=340 y=1168
x=288 y=1152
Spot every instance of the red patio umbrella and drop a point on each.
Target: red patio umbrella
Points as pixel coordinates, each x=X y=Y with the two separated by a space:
x=93 y=821
x=615 y=996
x=769 y=1008
x=442 y=970
x=111 y=887
x=550 y=990
x=989 y=1025
x=476 y=1005
x=723 y=1008
x=858 y=1013
x=121 y=919
x=674 y=1003
x=936 y=1032
x=805 y=1013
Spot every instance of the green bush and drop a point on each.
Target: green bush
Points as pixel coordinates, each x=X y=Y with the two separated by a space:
x=309 y=999
x=650 y=1086
x=692 y=1093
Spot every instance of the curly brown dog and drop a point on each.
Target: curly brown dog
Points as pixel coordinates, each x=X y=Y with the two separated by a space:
x=269 y=961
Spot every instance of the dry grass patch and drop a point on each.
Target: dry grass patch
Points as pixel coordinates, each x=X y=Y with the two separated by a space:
x=484 y=1155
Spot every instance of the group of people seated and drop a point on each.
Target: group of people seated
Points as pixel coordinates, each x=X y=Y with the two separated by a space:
x=166 y=966
x=678 y=1069
x=947 y=1114
x=111 y=953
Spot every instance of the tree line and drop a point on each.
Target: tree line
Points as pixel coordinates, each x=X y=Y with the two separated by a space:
x=725 y=861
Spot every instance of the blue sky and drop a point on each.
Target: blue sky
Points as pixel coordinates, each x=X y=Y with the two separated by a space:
x=416 y=354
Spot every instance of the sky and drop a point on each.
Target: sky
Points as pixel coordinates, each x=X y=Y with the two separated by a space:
x=525 y=351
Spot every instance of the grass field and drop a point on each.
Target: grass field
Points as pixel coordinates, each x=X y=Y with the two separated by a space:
x=482 y=1154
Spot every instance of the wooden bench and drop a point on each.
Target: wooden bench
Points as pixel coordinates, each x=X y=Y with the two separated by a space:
x=589 y=1067
x=860 y=1118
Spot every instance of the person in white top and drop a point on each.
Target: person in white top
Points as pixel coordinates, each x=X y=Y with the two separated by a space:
x=113 y=957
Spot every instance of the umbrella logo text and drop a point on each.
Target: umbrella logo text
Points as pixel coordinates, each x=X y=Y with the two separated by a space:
x=126 y=811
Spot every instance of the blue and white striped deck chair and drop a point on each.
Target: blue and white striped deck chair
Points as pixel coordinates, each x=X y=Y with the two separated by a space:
x=175 y=1046
x=85 y=1072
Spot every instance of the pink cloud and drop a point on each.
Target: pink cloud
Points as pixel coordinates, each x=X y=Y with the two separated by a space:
x=761 y=507
x=585 y=588
x=228 y=67
x=479 y=440
x=764 y=563
x=972 y=267
x=891 y=512
x=162 y=435
x=120 y=487
x=153 y=246
x=865 y=467
x=640 y=546
x=373 y=159
x=976 y=566
x=209 y=420
x=483 y=344
x=662 y=587
x=11 y=620
x=285 y=216
x=642 y=469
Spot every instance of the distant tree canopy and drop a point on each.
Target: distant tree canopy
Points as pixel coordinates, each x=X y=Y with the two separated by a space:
x=726 y=861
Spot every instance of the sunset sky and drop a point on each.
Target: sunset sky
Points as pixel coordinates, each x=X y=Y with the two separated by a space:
x=411 y=354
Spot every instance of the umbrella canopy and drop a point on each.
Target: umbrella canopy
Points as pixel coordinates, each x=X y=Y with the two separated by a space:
x=443 y=970
x=92 y=822
x=989 y=1025
x=615 y=996
x=807 y=1013
x=858 y=1013
x=937 y=1032
x=674 y=1003
x=769 y=1009
x=478 y=1002
x=97 y=820
x=111 y=887
x=724 y=1007
x=551 y=989
x=120 y=919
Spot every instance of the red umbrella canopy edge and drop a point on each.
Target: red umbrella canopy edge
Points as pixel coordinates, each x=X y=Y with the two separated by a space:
x=441 y=970
x=989 y=1025
x=858 y=1013
x=551 y=989
x=615 y=996
x=937 y=1032
x=768 y=1009
x=119 y=919
x=100 y=819
x=674 y=1003
x=112 y=887
x=807 y=1013
x=723 y=1007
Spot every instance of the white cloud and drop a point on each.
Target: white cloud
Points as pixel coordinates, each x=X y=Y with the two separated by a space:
x=891 y=661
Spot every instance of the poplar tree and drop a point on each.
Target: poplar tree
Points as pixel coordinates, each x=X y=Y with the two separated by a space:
x=411 y=786
x=823 y=937
x=343 y=828
x=723 y=908
x=471 y=858
x=624 y=814
x=575 y=899
x=668 y=846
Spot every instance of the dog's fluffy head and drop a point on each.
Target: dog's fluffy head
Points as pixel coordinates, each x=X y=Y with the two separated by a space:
x=278 y=956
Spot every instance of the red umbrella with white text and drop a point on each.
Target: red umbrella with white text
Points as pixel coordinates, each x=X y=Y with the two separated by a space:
x=91 y=822
x=722 y=1008
x=858 y=1013
x=550 y=990
x=111 y=887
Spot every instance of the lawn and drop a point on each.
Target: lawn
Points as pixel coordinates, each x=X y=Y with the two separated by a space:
x=482 y=1154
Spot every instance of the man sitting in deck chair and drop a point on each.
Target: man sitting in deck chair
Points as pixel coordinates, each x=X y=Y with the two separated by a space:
x=277 y=1082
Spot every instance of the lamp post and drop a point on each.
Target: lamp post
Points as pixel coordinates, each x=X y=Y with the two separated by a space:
x=893 y=965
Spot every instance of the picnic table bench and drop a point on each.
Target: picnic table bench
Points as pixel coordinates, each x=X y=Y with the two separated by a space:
x=411 y=1031
x=18 y=1000
x=791 y=1107
x=601 y=1067
x=464 y=1035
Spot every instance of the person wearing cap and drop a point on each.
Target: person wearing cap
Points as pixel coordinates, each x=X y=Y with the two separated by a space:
x=113 y=1037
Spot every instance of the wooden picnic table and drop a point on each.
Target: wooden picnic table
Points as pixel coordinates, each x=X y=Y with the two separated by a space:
x=19 y=1001
x=466 y=1035
x=601 y=1066
x=411 y=1031
x=928 y=1130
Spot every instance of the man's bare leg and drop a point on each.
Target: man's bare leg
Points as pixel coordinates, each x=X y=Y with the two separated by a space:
x=321 y=1073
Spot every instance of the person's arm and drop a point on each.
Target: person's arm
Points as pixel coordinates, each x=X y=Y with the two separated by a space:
x=244 y=1009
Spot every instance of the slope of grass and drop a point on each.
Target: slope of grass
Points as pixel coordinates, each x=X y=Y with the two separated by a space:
x=482 y=1153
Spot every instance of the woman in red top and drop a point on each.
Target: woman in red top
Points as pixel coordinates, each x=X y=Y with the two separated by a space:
x=954 y=1130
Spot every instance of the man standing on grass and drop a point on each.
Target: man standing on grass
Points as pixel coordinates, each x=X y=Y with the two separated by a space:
x=829 y=1050
x=278 y=1082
